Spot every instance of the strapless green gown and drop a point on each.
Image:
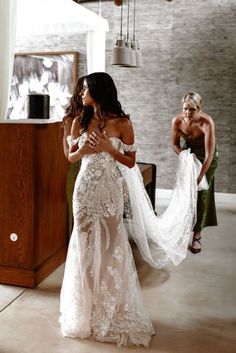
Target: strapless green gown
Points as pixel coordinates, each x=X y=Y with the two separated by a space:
x=206 y=209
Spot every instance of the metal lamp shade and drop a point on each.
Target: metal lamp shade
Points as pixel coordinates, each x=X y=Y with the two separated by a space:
x=132 y=57
x=120 y=56
x=120 y=53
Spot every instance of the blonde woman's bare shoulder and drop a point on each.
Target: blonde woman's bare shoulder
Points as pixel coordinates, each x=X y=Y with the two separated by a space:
x=206 y=118
x=206 y=123
x=177 y=119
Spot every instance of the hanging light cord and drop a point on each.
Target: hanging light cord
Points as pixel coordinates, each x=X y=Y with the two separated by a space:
x=128 y=22
x=121 y=16
x=134 y=20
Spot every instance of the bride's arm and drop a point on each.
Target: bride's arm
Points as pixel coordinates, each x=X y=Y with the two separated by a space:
x=76 y=153
x=129 y=148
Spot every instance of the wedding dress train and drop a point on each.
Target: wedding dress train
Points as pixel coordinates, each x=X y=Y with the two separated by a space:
x=101 y=296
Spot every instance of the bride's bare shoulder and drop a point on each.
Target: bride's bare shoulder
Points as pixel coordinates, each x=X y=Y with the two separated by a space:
x=76 y=127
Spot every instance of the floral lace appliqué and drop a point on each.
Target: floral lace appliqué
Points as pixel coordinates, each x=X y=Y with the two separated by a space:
x=118 y=254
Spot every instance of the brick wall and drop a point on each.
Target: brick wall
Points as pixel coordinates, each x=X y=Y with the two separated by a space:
x=186 y=45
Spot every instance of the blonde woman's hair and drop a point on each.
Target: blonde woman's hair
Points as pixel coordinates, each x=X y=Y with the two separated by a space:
x=194 y=99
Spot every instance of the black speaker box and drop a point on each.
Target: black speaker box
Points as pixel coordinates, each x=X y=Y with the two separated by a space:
x=37 y=106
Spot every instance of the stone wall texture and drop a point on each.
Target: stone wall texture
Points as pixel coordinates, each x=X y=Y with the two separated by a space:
x=187 y=45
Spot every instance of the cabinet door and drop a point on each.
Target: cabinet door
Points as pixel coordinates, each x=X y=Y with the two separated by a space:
x=16 y=195
x=50 y=214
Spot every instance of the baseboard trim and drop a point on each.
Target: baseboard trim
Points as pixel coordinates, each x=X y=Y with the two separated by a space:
x=225 y=198
x=165 y=195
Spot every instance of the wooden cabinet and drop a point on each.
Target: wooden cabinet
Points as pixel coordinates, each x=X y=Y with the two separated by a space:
x=33 y=211
x=33 y=208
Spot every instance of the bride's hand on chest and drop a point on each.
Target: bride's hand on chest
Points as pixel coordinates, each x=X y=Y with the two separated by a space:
x=100 y=142
x=86 y=148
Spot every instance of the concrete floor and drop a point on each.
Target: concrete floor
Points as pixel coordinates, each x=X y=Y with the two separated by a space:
x=192 y=306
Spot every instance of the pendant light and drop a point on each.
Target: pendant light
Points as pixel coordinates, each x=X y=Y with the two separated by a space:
x=121 y=52
x=132 y=55
x=126 y=52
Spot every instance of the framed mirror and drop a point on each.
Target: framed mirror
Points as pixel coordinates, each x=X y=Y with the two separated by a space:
x=52 y=73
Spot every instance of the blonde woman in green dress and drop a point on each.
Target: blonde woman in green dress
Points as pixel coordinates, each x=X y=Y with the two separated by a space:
x=197 y=129
x=73 y=112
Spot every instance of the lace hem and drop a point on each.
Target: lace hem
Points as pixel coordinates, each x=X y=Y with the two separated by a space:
x=120 y=338
x=124 y=339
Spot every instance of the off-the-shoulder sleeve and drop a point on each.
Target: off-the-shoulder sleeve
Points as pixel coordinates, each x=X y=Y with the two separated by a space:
x=129 y=148
x=71 y=142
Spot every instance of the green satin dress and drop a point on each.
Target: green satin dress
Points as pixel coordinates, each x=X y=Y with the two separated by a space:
x=206 y=209
x=73 y=170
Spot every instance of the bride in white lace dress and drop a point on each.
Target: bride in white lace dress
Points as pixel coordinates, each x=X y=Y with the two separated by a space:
x=100 y=295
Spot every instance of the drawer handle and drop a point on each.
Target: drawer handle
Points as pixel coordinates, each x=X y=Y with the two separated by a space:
x=13 y=237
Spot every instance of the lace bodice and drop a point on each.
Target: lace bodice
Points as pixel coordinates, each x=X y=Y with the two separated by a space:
x=100 y=184
x=101 y=160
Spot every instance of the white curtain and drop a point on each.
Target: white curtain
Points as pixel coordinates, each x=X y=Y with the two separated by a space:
x=96 y=51
x=8 y=11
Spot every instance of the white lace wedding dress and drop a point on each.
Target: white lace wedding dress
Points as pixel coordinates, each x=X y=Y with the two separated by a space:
x=101 y=296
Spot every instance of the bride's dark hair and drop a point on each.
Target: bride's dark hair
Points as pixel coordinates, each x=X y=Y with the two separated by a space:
x=75 y=106
x=103 y=90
